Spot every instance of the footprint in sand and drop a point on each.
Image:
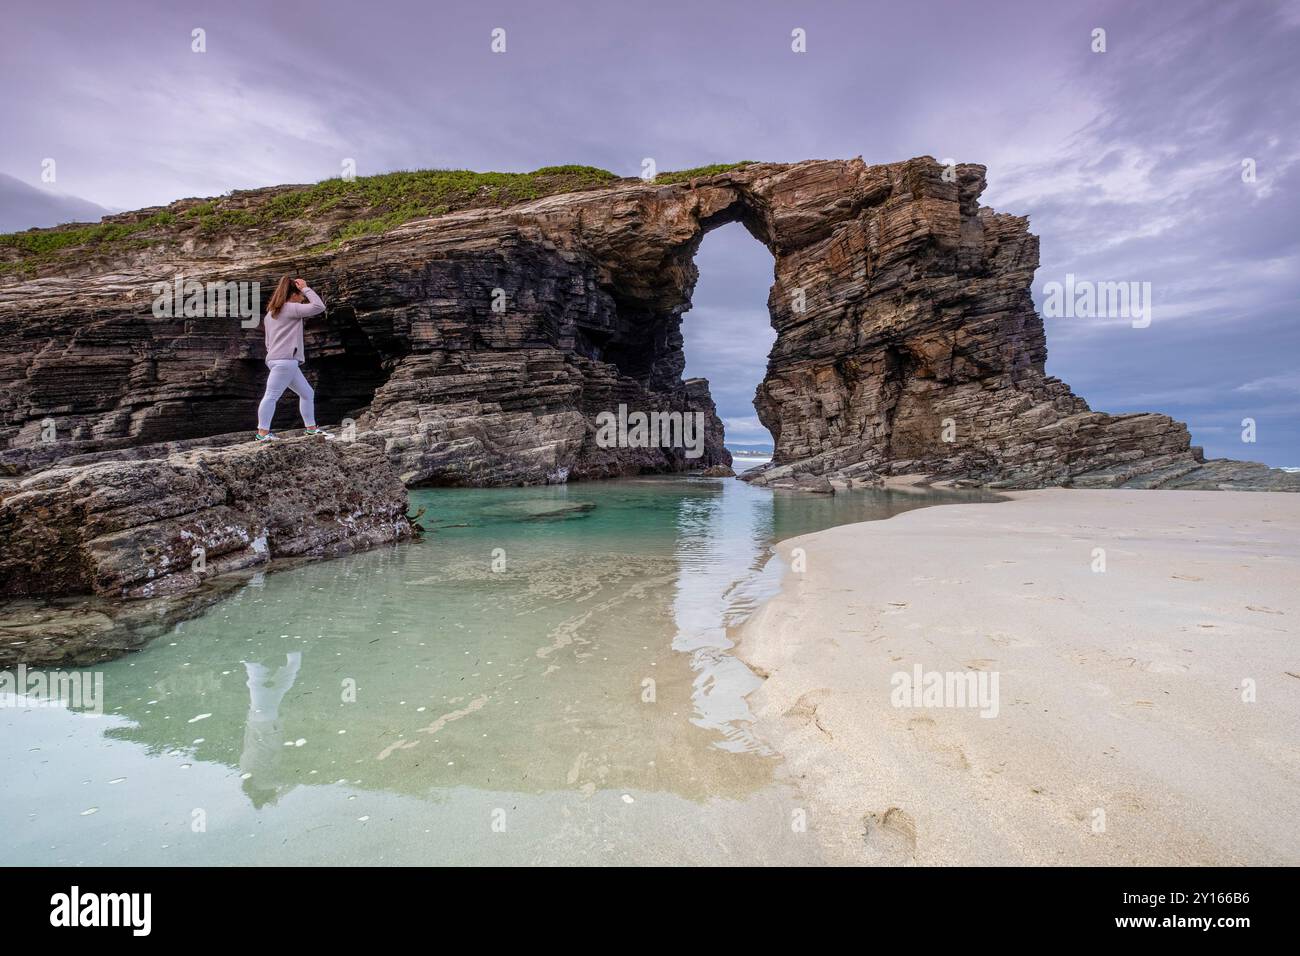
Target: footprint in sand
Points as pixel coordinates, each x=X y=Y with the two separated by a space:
x=925 y=732
x=1003 y=639
x=890 y=836
x=805 y=710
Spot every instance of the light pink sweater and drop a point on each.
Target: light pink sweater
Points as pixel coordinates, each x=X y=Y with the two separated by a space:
x=284 y=331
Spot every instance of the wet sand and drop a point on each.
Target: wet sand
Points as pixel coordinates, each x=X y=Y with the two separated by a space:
x=1146 y=713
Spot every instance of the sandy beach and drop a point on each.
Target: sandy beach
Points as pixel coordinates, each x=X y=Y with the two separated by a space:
x=1143 y=649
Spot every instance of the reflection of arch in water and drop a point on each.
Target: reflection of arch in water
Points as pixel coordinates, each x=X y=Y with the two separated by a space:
x=264 y=730
x=727 y=568
x=717 y=552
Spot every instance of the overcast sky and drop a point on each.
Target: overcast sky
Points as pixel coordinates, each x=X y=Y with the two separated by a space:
x=1128 y=162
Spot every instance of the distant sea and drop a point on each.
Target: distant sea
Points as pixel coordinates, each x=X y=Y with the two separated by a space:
x=742 y=459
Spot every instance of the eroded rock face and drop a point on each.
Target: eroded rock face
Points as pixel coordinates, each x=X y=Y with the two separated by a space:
x=479 y=347
x=148 y=528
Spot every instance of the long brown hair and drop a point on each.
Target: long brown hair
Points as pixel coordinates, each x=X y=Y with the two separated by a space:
x=283 y=289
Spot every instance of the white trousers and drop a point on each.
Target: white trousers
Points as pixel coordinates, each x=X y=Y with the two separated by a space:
x=286 y=373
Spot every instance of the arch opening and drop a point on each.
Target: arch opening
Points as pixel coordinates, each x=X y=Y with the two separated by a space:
x=727 y=331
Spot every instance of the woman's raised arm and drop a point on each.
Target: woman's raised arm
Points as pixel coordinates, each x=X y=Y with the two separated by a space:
x=303 y=310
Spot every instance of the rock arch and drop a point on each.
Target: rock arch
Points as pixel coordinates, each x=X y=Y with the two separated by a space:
x=900 y=305
x=902 y=310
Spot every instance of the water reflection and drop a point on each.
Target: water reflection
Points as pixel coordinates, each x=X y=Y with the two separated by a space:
x=557 y=655
x=264 y=739
x=726 y=567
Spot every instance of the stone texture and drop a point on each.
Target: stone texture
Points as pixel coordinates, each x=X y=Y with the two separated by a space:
x=130 y=528
x=717 y=471
x=899 y=303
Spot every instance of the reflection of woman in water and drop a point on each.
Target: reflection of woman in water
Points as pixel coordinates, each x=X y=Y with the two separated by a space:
x=263 y=730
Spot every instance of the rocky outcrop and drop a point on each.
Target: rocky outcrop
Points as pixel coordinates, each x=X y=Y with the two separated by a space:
x=154 y=527
x=717 y=471
x=478 y=347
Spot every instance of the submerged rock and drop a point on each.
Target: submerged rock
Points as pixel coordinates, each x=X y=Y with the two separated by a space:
x=539 y=510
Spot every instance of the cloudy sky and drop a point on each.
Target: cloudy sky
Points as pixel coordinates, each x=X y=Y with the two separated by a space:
x=1129 y=162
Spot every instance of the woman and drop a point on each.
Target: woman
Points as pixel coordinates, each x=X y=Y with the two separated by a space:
x=290 y=304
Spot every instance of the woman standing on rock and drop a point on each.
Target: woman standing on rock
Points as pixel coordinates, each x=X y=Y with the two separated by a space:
x=291 y=303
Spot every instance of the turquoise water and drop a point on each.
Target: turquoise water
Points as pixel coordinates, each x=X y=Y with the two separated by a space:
x=544 y=677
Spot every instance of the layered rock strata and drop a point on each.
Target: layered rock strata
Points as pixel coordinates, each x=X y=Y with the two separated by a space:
x=478 y=347
x=154 y=527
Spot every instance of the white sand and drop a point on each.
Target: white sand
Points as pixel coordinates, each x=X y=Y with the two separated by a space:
x=1119 y=692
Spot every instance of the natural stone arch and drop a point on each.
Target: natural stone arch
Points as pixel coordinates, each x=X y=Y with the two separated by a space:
x=917 y=315
x=888 y=264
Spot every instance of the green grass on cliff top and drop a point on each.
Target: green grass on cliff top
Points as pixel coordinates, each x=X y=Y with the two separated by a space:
x=683 y=175
x=367 y=205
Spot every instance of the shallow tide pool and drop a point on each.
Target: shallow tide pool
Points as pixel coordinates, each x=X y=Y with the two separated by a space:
x=544 y=677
